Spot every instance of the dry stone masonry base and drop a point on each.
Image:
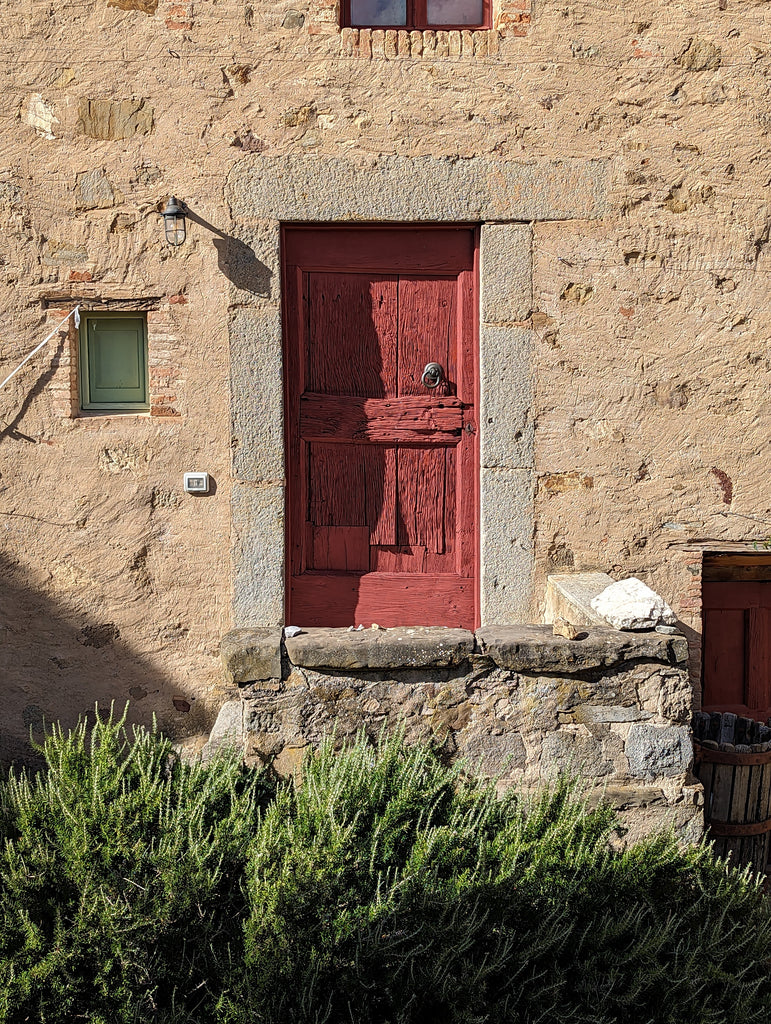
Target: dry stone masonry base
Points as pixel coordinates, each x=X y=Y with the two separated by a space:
x=516 y=702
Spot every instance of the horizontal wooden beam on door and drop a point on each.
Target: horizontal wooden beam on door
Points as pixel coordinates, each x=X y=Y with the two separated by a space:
x=737 y=568
x=381 y=420
x=399 y=250
x=389 y=599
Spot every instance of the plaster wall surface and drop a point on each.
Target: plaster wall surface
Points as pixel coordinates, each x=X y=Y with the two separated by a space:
x=646 y=324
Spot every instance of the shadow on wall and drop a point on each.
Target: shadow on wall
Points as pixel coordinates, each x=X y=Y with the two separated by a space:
x=240 y=265
x=56 y=666
x=236 y=260
x=11 y=429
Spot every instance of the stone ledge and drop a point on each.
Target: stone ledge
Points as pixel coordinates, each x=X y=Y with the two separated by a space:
x=401 y=647
x=250 y=655
x=254 y=655
x=534 y=649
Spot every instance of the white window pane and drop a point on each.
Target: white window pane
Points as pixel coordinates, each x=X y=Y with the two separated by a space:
x=454 y=12
x=378 y=12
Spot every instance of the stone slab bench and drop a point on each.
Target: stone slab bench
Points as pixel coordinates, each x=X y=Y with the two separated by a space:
x=400 y=647
x=250 y=655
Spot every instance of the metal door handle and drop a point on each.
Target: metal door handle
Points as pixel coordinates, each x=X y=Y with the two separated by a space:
x=432 y=375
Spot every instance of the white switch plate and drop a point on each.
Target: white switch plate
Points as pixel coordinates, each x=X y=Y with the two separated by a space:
x=197 y=483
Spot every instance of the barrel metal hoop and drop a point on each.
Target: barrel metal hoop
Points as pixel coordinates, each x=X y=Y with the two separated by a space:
x=709 y=756
x=757 y=828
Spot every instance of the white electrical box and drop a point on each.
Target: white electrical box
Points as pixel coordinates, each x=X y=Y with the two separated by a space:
x=197 y=483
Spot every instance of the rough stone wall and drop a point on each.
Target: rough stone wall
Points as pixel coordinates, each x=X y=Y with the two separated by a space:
x=651 y=365
x=517 y=703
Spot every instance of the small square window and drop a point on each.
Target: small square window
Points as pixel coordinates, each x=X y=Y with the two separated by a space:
x=416 y=14
x=113 y=361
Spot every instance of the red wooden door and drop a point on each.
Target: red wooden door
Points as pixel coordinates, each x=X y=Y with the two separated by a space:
x=381 y=478
x=737 y=647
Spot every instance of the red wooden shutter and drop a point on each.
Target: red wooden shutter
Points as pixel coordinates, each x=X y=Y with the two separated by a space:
x=737 y=647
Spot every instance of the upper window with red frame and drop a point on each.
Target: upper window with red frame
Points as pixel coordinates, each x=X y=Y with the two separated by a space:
x=417 y=14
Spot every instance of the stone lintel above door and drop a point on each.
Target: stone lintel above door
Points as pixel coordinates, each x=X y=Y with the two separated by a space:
x=425 y=189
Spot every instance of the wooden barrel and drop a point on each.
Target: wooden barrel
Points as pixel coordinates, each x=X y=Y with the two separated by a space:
x=737 y=791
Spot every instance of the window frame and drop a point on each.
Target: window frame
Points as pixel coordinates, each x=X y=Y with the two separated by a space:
x=84 y=387
x=417 y=19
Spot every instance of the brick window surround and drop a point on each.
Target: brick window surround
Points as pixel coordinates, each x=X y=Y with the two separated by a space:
x=417 y=14
x=166 y=330
x=505 y=18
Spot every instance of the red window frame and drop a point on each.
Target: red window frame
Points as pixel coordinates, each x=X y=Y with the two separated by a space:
x=417 y=18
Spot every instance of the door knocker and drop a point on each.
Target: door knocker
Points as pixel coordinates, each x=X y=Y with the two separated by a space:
x=432 y=376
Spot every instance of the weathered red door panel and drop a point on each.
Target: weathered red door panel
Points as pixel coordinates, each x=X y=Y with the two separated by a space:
x=724 y=656
x=336 y=599
x=758 y=695
x=737 y=647
x=381 y=470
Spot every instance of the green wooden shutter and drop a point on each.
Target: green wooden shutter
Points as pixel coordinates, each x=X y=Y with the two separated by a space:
x=115 y=361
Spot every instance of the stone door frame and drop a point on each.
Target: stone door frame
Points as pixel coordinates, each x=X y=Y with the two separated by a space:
x=504 y=199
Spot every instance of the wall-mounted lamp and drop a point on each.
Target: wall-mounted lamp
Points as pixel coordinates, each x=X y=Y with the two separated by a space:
x=174 y=222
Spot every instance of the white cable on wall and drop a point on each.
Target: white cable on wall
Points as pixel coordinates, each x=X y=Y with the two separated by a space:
x=43 y=343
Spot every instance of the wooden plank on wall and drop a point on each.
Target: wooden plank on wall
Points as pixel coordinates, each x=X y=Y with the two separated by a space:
x=758 y=696
x=724 y=655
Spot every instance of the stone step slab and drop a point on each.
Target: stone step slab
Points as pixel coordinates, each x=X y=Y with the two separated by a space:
x=399 y=647
x=536 y=649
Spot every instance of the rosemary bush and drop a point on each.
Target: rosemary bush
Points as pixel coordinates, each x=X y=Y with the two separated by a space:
x=390 y=889
x=386 y=888
x=120 y=879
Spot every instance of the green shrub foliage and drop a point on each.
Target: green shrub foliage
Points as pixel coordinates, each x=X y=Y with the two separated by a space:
x=120 y=879
x=384 y=888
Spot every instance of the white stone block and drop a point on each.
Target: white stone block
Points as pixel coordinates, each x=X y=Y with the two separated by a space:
x=631 y=604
